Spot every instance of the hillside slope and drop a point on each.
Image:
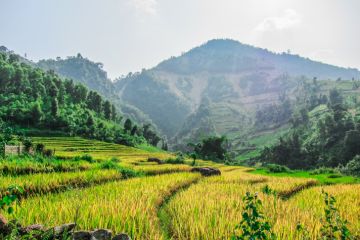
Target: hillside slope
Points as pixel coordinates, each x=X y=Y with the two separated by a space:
x=234 y=79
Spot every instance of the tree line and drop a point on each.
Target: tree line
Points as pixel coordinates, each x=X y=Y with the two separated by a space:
x=32 y=98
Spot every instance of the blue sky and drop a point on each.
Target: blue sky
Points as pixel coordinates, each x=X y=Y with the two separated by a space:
x=128 y=35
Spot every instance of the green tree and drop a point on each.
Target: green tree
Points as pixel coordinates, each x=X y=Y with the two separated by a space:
x=36 y=114
x=128 y=125
x=352 y=143
x=107 y=110
x=80 y=93
x=113 y=113
x=134 y=130
x=54 y=107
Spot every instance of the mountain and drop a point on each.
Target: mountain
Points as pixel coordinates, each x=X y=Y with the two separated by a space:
x=217 y=88
x=221 y=87
x=83 y=71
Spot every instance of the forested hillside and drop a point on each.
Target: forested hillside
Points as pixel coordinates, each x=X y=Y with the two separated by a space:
x=222 y=87
x=324 y=133
x=35 y=100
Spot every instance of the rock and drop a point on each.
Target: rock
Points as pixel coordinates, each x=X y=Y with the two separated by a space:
x=4 y=228
x=65 y=228
x=81 y=235
x=101 y=234
x=206 y=171
x=32 y=228
x=157 y=160
x=121 y=236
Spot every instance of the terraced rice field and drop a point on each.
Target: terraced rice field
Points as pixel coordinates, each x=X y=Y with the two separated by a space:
x=166 y=201
x=127 y=206
x=68 y=147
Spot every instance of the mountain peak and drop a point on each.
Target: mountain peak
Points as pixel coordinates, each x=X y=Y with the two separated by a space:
x=231 y=56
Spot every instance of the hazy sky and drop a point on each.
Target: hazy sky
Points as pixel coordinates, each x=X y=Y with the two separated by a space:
x=128 y=35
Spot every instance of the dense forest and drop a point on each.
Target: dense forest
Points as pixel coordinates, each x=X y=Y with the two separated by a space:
x=34 y=100
x=325 y=131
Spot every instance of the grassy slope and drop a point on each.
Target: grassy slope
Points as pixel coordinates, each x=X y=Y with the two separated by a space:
x=322 y=178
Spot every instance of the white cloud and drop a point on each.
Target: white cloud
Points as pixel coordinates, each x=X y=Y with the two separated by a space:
x=148 y=7
x=288 y=19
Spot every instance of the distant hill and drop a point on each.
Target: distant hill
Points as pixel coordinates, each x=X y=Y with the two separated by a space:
x=82 y=70
x=234 y=79
x=217 y=88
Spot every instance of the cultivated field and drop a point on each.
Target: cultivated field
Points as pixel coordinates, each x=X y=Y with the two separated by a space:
x=163 y=201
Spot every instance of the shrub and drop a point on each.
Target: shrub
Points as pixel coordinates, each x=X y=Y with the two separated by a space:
x=253 y=224
x=108 y=165
x=353 y=167
x=335 y=176
x=48 y=152
x=115 y=160
x=87 y=158
x=324 y=170
x=333 y=226
x=39 y=148
x=177 y=160
x=128 y=172
x=275 y=168
x=11 y=196
x=27 y=144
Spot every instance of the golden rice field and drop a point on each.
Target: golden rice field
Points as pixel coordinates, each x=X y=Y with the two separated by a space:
x=44 y=183
x=190 y=215
x=167 y=201
x=126 y=206
x=68 y=147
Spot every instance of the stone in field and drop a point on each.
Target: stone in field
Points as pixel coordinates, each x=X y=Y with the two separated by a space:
x=81 y=235
x=157 y=160
x=121 y=236
x=206 y=171
x=4 y=228
x=101 y=234
x=65 y=228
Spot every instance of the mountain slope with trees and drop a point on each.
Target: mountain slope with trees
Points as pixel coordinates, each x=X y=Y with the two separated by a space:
x=31 y=98
x=241 y=84
x=247 y=90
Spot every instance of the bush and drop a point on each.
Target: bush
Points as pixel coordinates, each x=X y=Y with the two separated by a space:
x=335 y=176
x=333 y=226
x=87 y=158
x=128 y=172
x=324 y=170
x=275 y=168
x=39 y=148
x=254 y=224
x=115 y=160
x=177 y=160
x=48 y=152
x=27 y=144
x=353 y=167
x=109 y=165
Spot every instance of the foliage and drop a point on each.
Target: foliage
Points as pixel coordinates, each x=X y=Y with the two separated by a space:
x=353 y=167
x=333 y=227
x=31 y=97
x=253 y=224
x=10 y=196
x=328 y=139
x=213 y=148
x=275 y=168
